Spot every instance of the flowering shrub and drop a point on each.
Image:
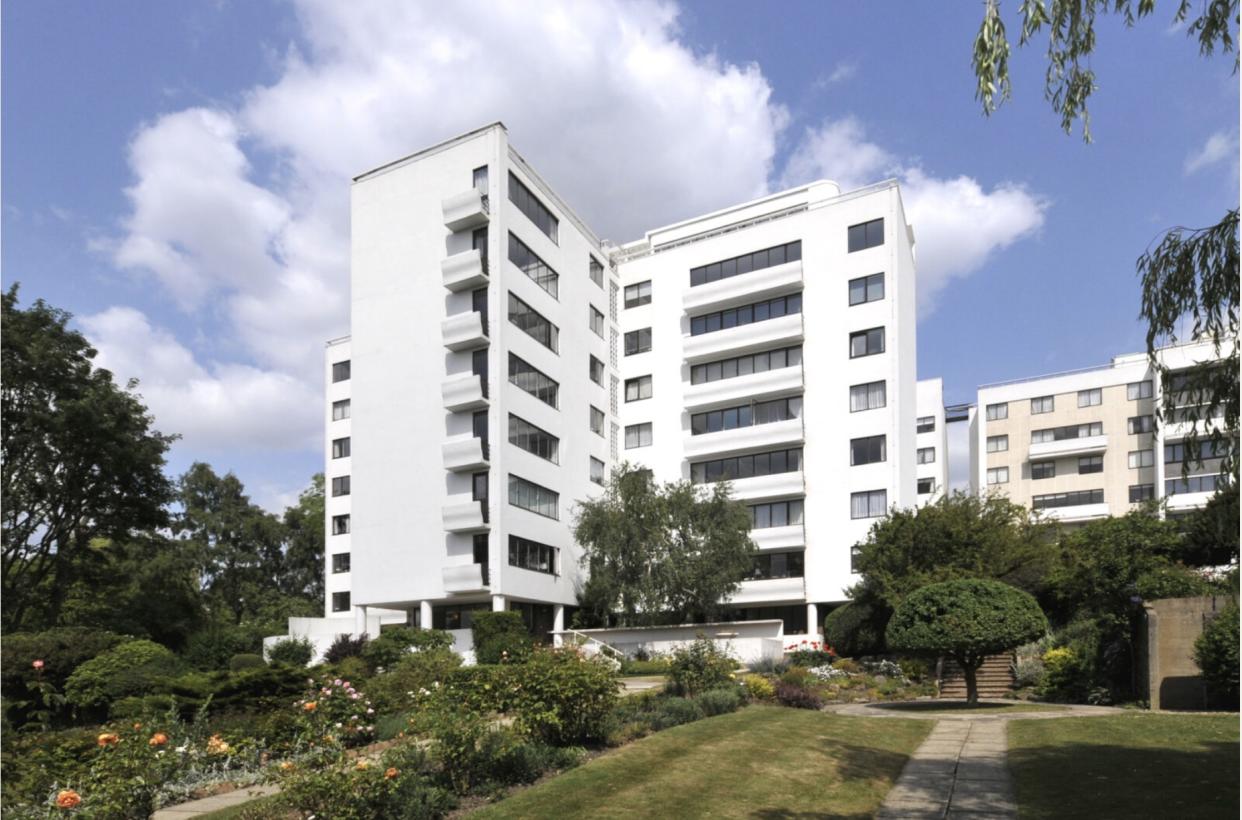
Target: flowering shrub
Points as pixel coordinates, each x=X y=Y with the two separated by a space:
x=758 y=687
x=798 y=697
x=336 y=712
x=884 y=667
x=699 y=666
x=827 y=672
x=809 y=653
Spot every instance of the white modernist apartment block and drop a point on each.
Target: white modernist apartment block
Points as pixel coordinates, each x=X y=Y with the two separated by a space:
x=1084 y=444
x=931 y=456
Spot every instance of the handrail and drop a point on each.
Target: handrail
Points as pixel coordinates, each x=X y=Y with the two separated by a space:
x=618 y=654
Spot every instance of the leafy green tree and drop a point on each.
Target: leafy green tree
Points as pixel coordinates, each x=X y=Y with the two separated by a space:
x=304 y=544
x=80 y=460
x=1210 y=534
x=660 y=553
x=966 y=620
x=1192 y=272
x=1216 y=653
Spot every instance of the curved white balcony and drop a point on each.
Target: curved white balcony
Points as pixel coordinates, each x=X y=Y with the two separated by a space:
x=1084 y=446
x=464 y=331
x=464 y=578
x=780 y=485
x=1081 y=512
x=464 y=271
x=745 y=288
x=771 y=590
x=755 y=336
x=465 y=210
x=464 y=514
x=464 y=392
x=773 y=538
x=464 y=454
x=1179 y=502
x=757 y=386
x=756 y=437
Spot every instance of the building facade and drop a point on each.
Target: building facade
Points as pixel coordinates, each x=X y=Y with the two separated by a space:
x=1085 y=444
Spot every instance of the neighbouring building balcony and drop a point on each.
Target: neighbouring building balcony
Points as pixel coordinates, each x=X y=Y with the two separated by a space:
x=756 y=437
x=463 y=514
x=755 y=336
x=464 y=392
x=756 y=386
x=1179 y=502
x=1083 y=446
x=465 y=210
x=1081 y=512
x=465 y=454
x=464 y=331
x=465 y=578
x=771 y=590
x=464 y=271
x=771 y=538
x=745 y=288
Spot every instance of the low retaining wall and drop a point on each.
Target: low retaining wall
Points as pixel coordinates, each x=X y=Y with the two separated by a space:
x=748 y=641
x=1167 y=671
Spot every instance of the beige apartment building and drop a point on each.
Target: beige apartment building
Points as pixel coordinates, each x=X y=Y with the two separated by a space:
x=1084 y=444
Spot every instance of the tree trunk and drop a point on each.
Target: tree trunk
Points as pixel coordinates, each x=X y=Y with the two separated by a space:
x=972 y=686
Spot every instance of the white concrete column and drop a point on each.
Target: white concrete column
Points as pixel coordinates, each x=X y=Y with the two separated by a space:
x=558 y=622
x=360 y=620
x=424 y=614
x=812 y=619
x=498 y=603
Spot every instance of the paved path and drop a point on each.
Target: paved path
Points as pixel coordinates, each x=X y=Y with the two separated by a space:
x=214 y=803
x=958 y=772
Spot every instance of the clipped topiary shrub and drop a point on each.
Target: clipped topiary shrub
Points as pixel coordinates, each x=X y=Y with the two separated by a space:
x=967 y=620
x=855 y=629
x=1216 y=653
x=500 y=636
x=395 y=643
x=128 y=669
x=246 y=660
x=291 y=652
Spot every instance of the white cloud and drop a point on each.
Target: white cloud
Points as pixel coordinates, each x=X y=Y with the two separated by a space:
x=841 y=72
x=1219 y=147
x=958 y=225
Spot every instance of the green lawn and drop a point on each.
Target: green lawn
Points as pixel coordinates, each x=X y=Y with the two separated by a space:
x=760 y=762
x=1136 y=765
x=933 y=708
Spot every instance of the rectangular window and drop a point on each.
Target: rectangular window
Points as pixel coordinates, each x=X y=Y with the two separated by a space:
x=1142 y=492
x=478 y=424
x=748 y=466
x=638 y=435
x=867 y=342
x=596 y=370
x=1072 y=499
x=770 y=565
x=532 y=208
x=1139 y=424
x=340 y=447
x=1138 y=390
x=1090 y=398
x=340 y=371
x=1043 y=469
x=746 y=415
x=869 y=450
x=868 y=504
x=533 y=323
x=456 y=616
x=478 y=303
x=638 y=341
x=597 y=321
x=746 y=263
x=747 y=314
x=479 y=485
x=638 y=389
x=866 y=235
x=1068 y=432
x=340 y=485
x=532 y=439
x=866 y=289
x=637 y=295
x=340 y=602
x=1191 y=484
x=1177 y=451
x=998 y=475
x=998 y=444
x=1090 y=464
x=340 y=410
x=340 y=562
x=776 y=514
x=997 y=412
x=532 y=381
x=479 y=178
x=869 y=396
x=1042 y=404
x=1141 y=458
x=527 y=554
x=530 y=496
x=539 y=271
x=597 y=421
x=597 y=471
x=747 y=365
x=596 y=271
x=340 y=524
x=925 y=424
x=926 y=455
x=926 y=485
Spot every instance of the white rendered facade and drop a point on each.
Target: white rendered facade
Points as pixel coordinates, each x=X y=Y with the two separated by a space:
x=931 y=463
x=1083 y=445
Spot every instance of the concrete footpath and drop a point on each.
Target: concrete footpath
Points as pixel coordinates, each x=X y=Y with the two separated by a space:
x=216 y=802
x=958 y=772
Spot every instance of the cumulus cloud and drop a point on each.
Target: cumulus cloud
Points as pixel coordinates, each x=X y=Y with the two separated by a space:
x=958 y=224
x=841 y=72
x=1220 y=146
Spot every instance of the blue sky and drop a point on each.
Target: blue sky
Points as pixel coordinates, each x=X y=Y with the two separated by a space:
x=176 y=174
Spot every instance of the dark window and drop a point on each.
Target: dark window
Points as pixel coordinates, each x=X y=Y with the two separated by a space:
x=478 y=366
x=639 y=294
x=597 y=421
x=596 y=370
x=596 y=270
x=925 y=424
x=867 y=342
x=1139 y=424
x=340 y=602
x=478 y=303
x=866 y=235
x=1191 y=484
x=868 y=450
x=867 y=289
x=532 y=381
x=340 y=485
x=478 y=424
x=748 y=466
x=1178 y=452
x=1043 y=469
x=597 y=470
x=1142 y=492
x=532 y=208
x=340 y=447
x=868 y=504
x=926 y=485
x=747 y=314
x=539 y=271
x=638 y=341
x=479 y=177
x=340 y=562
x=1071 y=499
x=340 y=371
x=776 y=514
x=533 y=439
x=480 y=552
x=478 y=486
x=746 y=263
x=533 y=323
x=638 y=389
x=638 y=435
x=1068 y=432
x=456 y=616
x=527 y=554
x=532 y=497
x=777 y=565
x=340 y=410
x=925 y=455
x=1090 y=464
x=746 y=365
x=597 y=321
x=746 y=415
x=340 y=524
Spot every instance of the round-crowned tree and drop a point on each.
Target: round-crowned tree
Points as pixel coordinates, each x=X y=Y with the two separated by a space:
x=966 y=620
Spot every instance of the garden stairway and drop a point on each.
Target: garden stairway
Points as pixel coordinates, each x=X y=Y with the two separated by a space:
x=995 y=678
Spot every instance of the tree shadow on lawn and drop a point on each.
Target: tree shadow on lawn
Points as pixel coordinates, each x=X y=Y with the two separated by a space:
x=962 y=706
x=857 y=769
